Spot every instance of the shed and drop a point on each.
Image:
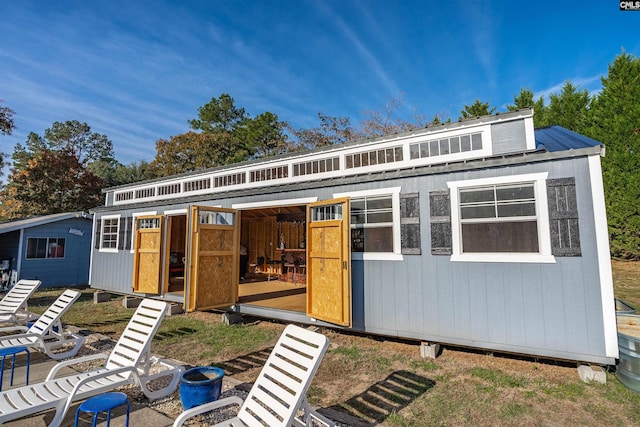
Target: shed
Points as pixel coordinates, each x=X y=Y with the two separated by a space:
x=52 y=248
x=485 y=233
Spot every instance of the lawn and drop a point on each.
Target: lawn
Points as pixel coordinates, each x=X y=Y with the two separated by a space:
x=386 y=382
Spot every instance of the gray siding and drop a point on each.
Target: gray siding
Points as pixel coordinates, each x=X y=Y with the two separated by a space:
x=508 y=137
x=551 y=310
x=73 y=269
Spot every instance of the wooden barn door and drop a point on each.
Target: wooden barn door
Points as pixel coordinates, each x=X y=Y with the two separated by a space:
x=147 y=259
x=329 y=261
x=213 y=258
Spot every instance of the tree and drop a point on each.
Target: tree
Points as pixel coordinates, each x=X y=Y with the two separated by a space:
x=71 y=137
x=227 y=135
x=6 y=128
x=568 y=109
x=333 y=130
x=51 y=182
x=219 y=115
x=476 y=109
x=526 y=100
x=190 y=151
x=6 y=120
x=263 y=136
x=615 y=121
x=51 y=174
x=114 y=173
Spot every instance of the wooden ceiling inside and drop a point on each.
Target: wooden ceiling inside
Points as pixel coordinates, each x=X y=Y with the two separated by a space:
x=282 y=213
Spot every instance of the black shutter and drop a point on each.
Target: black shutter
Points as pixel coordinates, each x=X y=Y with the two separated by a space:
x=440 y=212
x=128 y=236
x=98 y=229
x=410 y=223
x=122 y=232
x=563 y=217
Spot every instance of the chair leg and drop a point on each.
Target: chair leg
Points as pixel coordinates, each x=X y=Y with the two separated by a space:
x=75 y=422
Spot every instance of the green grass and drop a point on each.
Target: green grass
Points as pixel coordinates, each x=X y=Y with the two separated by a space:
x=465 y=388
x=498 y=378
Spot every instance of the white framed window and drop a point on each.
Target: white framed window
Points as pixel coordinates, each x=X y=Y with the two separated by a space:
x=375 y=224
x=109 y=233
x=502 y=219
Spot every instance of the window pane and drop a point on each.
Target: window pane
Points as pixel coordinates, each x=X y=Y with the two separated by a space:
x=476 y=196
x=476 y=141
x=357 y=204
x=515 y=193
x=349 y=160
x=424 y=149
x=56 y=248
x=381 y=156
x=516 y=209
x=500 y=237
x=41 y=251
x=357 y=217
x=455 y=144
x=433 y=148
x=414 y=151
x=482 y=211
x=373 y=158
x=379 y=203
x=465 y=143
x=356 y=160
x=398 y=154
x=378 y=239
x=377 y=217
x=390 y=158
x=444 y=146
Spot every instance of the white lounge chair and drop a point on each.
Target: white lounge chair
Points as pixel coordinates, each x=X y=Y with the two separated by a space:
x=128 y=363
x=13 y=307
x=46 y=333
x=279 y=393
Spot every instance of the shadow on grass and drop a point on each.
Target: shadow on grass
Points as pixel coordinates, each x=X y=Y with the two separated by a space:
x=385 y=397
x=173 y=333
x=246 y=362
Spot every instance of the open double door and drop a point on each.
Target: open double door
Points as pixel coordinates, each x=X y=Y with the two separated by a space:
x=211 y=259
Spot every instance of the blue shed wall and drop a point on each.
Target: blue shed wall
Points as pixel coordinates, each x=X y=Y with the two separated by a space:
x=73 y=269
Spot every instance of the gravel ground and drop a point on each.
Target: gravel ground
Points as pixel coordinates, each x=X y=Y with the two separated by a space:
x=170 y=405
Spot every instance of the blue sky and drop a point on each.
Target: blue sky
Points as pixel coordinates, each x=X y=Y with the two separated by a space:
x=137 y=71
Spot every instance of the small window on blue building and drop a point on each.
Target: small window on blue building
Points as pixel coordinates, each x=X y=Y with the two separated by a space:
x=45 y=247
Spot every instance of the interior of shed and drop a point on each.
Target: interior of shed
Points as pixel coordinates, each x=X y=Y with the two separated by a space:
x=275 y=271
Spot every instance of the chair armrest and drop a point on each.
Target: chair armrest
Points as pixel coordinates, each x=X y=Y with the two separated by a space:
x=206 y=407
x=65 y=363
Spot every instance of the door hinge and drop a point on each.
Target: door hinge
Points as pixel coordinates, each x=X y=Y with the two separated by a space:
x=344 y=265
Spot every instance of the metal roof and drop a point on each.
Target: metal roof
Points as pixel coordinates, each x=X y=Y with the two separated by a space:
x=8 y=227
x=557 y=138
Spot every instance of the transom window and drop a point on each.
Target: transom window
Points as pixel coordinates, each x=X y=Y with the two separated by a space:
x=326 y=213
x=109 y=233
x=147 y=223
x=51 y=247
x=216 y=218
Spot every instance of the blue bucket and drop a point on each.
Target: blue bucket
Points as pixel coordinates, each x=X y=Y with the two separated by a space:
x=200 y=385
